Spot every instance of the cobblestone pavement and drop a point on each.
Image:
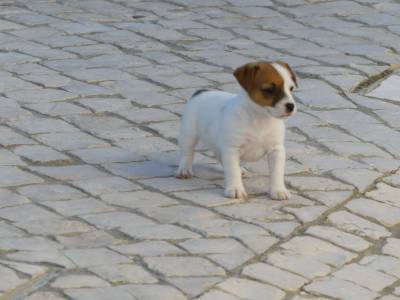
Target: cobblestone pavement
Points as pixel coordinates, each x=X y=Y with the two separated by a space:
x=91 y=92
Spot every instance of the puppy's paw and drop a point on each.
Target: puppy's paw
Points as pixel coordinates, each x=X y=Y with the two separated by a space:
x=279 y=193
x=183 y=173
x=235 y=192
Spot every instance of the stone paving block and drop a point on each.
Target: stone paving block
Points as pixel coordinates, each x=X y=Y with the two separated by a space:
x=78 y=207
x=70 y=141
x=28 y=243
x=138 y=199
x=26 y=212
x=9 y=231
x=391 y=247
x=147 y=145
x=153 y=291
x=107 y=155
x=126 y=136
x=277 y=277
x=249 y=289
x=27 y=269
x=36 y=125
x=340 y=288
x=365 y=277
x=298 y=264
x=385 y=214
x=183 y=266
x=105 y=185
x=194 y=286
x=360 y=178
x=91 y=239
x=216 y=294
x=16 y=177
x=41 y=154
x=112 y=220
x=149 y=248
x=73 y=172
x=124 y=273
x=137 y=170
x=40 y=96
x=359 y=226
x=319 y=250
x=95 y=257
x=317 y=184
x=226 y=252
x=180 y=214
x=50 y=192
x=99 y=293
x=387 y=264
x=338 y=237
x=11 y=279
x=9 y=137
x=159 y=232
x=385 y=193
x=49 y=81
x=146 y=115
x=79 y=281
x=307 y=214
x=172 y=184
x=54 y=226
x=49 y=256
x=8 y=198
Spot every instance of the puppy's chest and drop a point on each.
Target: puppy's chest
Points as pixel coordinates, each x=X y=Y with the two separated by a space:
x=256 y=145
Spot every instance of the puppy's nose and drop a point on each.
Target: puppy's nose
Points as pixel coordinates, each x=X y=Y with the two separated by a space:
x=289 y=107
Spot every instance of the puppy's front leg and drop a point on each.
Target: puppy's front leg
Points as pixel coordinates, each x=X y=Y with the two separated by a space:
x=276 y=162
x=233 y=175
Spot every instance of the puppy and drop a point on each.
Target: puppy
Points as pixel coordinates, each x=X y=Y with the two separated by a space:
x=244 y=127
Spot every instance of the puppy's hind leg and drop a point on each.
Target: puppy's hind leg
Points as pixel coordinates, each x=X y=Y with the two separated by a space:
x=187 y=142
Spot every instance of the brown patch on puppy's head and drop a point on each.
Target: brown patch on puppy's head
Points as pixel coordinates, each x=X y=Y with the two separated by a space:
x=262 y=82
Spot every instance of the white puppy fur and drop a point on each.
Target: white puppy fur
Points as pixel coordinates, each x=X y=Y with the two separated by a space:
x=237 y=128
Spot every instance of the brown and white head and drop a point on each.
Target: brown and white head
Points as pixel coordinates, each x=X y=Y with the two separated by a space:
x=270 y=85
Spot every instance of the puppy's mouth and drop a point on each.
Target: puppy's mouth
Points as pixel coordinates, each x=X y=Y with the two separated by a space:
x=286 y=115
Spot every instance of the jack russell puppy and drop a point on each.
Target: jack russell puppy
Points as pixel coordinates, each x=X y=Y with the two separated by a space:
x=244 y=127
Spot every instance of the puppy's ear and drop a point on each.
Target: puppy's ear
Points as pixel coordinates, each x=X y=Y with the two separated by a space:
x=245 y=75
x=292 y=73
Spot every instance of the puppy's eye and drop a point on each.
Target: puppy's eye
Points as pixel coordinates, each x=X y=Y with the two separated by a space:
x=269 y=90
x=291 y=88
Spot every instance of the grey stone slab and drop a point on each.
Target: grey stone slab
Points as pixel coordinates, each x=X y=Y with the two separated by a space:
x=105 y=185
x=387 y=89
x=41 y=154
x=183 y=266
x=124 y=273
x=27 y=212
x=149 y=248
x=357 y=225
x=50 y=192
x=385 y=214
x=87 y=240
x=78 y=207
x=113 y=220
x=53 y=226
x=71 y=141
x=95 y=257
x=107 y=155
x=138 y=199
x=250 y=289
x=72 y=172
